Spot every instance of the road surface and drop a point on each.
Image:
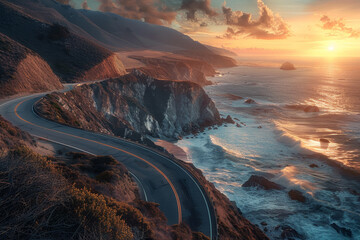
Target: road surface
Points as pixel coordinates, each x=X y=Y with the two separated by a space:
x=160 y=179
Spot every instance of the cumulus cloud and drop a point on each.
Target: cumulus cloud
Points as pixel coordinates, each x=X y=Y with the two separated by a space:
x=267 y=26
x=337 y=27
x=85 y=5
x=151 y=11
x=191 y=7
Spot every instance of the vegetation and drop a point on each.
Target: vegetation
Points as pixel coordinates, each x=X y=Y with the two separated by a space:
x=58 y=32
x=72 y=196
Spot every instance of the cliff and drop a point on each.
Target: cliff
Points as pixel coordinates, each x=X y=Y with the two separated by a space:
x=71 y=57
x=171 y=68
x=133 y=103
x=23 y=71
x=231 y=223
x=73 y=196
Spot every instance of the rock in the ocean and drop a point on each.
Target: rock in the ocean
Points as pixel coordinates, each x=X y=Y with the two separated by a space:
x=324 y=143
x=344 y=231
x=228 y=119
x=324 y=140
x=297 y=195
x=261 y=182
x=311 y=109
x=287 y=66
x=290 y=233
x=313 y=165
x=250 y=101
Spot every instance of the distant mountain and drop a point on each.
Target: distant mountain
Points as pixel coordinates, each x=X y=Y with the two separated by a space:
x=221 y=51
x=118 y=33
x=71 y=56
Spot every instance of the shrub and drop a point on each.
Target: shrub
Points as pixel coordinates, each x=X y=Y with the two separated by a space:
x=105 y=176
x=97 y=216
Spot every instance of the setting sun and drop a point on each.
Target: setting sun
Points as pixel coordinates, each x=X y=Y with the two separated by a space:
x=331 y=48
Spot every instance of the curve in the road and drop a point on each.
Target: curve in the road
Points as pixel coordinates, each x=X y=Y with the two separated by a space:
x=116 y=148
x=164 y=181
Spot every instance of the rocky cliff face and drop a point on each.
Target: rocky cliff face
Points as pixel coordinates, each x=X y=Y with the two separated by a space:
x=182 y=69
x=22 y=70
x=133 y=103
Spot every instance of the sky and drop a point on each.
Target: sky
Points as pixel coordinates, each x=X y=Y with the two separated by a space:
x=329 y=28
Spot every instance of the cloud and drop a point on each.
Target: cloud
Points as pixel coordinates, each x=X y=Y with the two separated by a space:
x=267 y=26
x=66 y=2
x=193 y=6
x=151 y=11
x=85 y=5
x=329 y=5
x=337 y=27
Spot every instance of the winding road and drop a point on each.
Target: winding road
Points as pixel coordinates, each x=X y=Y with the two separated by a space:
x=160 y=179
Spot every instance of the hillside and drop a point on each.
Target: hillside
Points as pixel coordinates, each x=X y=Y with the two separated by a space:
x=23 y=71
x=73 y=196
x=71 y=57
x=118 y=33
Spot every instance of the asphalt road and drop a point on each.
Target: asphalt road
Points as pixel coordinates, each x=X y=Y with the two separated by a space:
x=161 y=180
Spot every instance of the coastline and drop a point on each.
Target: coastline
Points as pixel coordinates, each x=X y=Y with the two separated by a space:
x=288 y=165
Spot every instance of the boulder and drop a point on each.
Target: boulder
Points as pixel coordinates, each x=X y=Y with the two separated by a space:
x=324 y=140
x=313 y=165
x=287 y=66
x=344 y=231
x=250 y=101
x=261 y=182
x=290 y=233
x=228 y=119
x=297 y=195
x=308 y=109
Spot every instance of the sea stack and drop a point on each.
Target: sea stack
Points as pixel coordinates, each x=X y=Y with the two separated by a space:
x=287 y=66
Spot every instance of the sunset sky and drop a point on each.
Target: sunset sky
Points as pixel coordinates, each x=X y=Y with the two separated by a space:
x=261 y=27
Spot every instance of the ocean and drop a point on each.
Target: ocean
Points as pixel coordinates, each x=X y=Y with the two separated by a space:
x=278 y=137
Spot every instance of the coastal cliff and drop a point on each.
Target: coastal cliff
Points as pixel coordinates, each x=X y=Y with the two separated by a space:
x=171 y=68
x=22 y=70
x=133 y=103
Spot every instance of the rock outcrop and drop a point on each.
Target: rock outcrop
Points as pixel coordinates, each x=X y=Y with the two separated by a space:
x=23 y=71
x=261 y=182
x=287 y=66
x=133 y=103
x=296 y=195
x=231 y=223
x=341 y=230
x=181 y=69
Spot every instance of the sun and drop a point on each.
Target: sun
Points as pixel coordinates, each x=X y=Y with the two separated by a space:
x=331 y=48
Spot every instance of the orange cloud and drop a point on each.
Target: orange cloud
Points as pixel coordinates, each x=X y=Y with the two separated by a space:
x=193 y=6
x=267 y=26
x=145 y=10
x=337 y=27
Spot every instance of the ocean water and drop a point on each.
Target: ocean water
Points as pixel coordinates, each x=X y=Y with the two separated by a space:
x=279 y=140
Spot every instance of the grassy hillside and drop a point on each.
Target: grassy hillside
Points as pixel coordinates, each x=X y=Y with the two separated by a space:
x=22 y=70
x=69 y=55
